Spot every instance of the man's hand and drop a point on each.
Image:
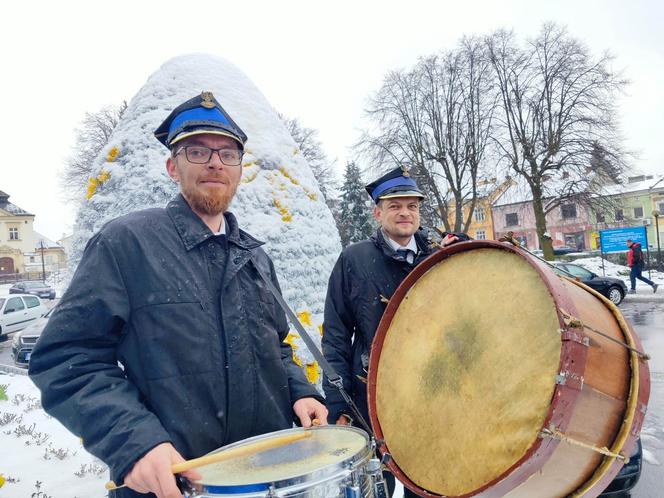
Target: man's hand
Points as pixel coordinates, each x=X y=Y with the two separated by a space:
x=343 y=420
x=308 y=409
x=152 y=473
x=449 y=239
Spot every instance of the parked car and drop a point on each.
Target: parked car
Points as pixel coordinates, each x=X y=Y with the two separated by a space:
x=627 y=477
x=24 y=341
x=562 y=250
x=613 y=288
x=33 y=287
x=19 y=311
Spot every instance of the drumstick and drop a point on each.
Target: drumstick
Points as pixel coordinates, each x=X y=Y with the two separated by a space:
x=241 y=451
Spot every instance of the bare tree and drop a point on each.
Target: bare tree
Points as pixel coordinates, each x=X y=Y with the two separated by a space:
x=437 y=119
x=312 y=150
x=557 y=128
x=91 y=137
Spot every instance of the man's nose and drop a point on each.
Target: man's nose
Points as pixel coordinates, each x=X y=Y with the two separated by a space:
x=215 y=161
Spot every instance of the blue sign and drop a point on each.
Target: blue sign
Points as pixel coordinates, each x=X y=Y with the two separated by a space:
x=615 y=239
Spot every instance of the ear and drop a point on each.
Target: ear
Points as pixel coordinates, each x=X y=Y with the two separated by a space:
x=172 y=170
x=377 y=213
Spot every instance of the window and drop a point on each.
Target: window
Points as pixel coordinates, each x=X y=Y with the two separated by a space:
x=479 y=214
x=568 y=211
x=32 y=259
x=577 y=271
x=600 y=217
x=511 y=219
x=13 y=233
x=660 y=208
x=31 y=301
x=638 y=212
x=619 y=215
x=14 y=304
x=480 y=235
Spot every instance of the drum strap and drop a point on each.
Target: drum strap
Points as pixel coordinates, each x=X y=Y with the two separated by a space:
x=333 y=377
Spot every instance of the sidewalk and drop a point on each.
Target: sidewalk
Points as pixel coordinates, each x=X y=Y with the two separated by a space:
x=644 y=293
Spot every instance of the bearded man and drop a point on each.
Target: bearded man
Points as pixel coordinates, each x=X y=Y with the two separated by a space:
x=167 y=344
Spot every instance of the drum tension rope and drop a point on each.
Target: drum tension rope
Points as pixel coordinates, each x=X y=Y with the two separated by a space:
x=573 y=322
x=333 y=377
x=554 y=433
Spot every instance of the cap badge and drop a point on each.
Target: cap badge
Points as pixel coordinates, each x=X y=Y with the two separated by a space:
x=404 y=168
x=207 y=100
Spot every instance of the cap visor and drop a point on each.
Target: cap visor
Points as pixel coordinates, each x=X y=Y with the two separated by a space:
x=203 y=131
x=403 y=193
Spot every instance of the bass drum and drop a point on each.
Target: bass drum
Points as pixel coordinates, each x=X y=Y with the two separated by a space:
x=490 y=375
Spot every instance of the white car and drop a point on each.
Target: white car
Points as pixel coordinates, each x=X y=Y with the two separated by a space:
x=17 y=311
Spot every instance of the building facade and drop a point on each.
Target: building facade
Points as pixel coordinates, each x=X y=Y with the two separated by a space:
x=21 y=247
x=481 y=225
x=17 y=236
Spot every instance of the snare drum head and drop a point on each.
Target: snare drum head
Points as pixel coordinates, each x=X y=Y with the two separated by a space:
x=467 y=370
x=326 y=446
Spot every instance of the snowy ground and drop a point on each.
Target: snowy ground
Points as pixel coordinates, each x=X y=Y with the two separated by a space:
x=39 y=454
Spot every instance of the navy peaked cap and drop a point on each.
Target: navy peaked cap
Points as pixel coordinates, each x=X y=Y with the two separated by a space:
x=202 y=114
x=395 y=183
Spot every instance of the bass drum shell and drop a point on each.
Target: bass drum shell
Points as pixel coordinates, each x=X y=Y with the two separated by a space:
x=476 y=358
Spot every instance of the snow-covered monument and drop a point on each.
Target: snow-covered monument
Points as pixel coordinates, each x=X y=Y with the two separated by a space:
x=278 y=200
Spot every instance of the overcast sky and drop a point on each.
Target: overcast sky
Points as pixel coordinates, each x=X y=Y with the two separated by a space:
x=317 y=61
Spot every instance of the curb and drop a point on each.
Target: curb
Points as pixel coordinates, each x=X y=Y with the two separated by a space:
x=643 y=298
x=10 y=369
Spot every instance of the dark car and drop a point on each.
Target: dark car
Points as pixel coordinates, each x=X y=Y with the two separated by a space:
x=613 y=288
x=33 y=287
x=627 y=477
x=24 y=341
x=562 y=250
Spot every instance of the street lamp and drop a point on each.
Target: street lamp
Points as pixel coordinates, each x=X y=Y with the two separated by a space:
x=656 y=215
x=41 y=243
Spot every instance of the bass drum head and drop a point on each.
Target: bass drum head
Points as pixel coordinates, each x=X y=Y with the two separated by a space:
x=327 y=447
x=466 y=371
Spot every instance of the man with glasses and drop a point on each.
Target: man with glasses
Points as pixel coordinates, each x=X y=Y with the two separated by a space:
x=174 y=296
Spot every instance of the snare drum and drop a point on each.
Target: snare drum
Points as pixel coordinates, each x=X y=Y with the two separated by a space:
x=332 y=462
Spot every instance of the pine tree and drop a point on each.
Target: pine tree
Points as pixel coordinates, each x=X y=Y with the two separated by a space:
x=355 y=222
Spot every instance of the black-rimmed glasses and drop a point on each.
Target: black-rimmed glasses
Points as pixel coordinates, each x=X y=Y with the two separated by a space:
x=199 y=154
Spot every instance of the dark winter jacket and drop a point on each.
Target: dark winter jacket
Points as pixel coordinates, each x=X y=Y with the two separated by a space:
x=198 y=335
x=635 y=255
x=364 y=277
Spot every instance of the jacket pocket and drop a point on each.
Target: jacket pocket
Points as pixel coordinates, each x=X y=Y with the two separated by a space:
x=174 y=338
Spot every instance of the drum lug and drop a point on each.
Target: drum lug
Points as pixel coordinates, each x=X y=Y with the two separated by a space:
x=375 y=471
x=573 y=334
x=352 y=492
x=570 y=379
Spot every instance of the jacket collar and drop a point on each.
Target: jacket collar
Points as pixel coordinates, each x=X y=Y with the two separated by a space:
x=420 y=239
x=193 y=231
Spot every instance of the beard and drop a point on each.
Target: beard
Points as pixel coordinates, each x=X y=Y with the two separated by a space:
x=212 y=201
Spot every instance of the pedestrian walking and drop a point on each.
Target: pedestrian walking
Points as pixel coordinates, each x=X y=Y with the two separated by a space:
x=636 y=262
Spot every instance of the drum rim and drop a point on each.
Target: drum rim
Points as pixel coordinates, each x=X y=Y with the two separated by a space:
x=300 y=479
x=572 y=362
